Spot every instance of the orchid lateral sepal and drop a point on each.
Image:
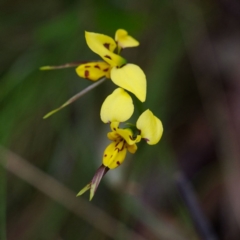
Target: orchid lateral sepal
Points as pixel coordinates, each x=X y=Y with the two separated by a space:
x=93 y=185
x=75 y=97
x=62 y=66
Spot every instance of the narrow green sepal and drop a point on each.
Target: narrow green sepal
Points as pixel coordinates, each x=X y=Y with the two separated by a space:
x=55 y=110
x=46 y=68
x=66 y=65
x=87 y=187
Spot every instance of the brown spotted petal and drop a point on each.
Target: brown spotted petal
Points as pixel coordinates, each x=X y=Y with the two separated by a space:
x=104 y=46
x=94 y=70
x=115 y=154
x=122 y=133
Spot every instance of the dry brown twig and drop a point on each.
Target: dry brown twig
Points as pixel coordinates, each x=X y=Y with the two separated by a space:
x=61 y=194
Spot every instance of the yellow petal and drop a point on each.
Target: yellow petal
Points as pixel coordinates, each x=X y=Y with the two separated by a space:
x=127 y=135
x=119 y=133
x=113 y=136
x=104 y=46
x=124 y=40
x=94 y=70
x=150 y=126
x=132 y=148
x=117 y=107
x=114 y=154
x=132 y=78
x=114 y=125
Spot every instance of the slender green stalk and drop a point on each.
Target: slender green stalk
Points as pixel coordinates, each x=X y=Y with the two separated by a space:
x=66 y=65
x=75 y=97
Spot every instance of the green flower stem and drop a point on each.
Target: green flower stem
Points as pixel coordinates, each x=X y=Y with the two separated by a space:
x=66 y=65
x=75 y=97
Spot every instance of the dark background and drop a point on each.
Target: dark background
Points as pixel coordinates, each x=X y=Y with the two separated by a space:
x=190 y=53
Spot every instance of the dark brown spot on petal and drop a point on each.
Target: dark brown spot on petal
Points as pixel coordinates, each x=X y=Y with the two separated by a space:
x=105 y=70
x=146 y=139
x=121 y=66
x=87 y=66
x=118 y=163
x=130 y=137
x=108 y=57
x=106 y=45
x=114 y=129
x=105 y=155
x=96 y=66
x=86 y=74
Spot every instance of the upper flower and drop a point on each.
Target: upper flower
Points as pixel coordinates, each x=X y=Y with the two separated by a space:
x=128 y=76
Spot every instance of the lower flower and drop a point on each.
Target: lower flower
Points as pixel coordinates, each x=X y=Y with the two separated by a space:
x=148 y=127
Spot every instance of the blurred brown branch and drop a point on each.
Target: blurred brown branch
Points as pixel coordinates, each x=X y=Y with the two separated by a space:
x=61 y=194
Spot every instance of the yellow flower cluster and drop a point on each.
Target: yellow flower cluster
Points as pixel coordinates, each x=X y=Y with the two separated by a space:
x=125 y=75
x=118 y=107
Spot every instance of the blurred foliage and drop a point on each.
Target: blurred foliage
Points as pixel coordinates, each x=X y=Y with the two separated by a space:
x=183 y=90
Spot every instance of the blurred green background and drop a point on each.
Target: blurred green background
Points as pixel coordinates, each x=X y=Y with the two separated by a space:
x=185 y=187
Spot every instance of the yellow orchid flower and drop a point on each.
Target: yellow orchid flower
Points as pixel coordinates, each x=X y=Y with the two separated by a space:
x=123 y=139
x=148 y=127
x=117 y=107
x=127 y=76
x=114 y=67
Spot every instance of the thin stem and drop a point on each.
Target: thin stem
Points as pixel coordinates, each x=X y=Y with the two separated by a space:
x=66 y=65
x=75 y=97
